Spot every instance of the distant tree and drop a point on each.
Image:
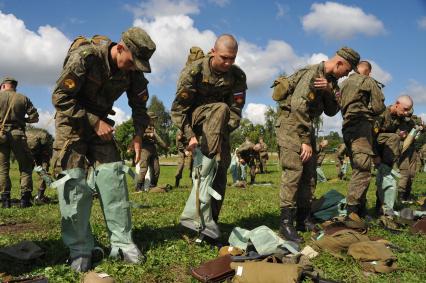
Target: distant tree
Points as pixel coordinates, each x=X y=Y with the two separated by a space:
x=270 y=137
x=123 y=135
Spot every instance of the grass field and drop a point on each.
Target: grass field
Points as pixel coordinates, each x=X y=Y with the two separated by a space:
x=169 y=254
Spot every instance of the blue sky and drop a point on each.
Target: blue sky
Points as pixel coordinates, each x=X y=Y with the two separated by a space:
x=274 y=36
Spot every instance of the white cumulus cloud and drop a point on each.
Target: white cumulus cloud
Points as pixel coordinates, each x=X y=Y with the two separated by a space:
x=422 y=23
x=331 y=124
x=46 y=120
x=32 y=57
x=417 y=91
x=120 y=116
x=255 y=112
x=337 y=21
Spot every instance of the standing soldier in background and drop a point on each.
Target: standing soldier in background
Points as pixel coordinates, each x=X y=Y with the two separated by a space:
x=40 y=143
x=341 y=164
x=95 y=74
x=182 y=155
x=263 y=154
x=149 y=155
x=407 y=162
x=362 y=101
x=320 y=159
x=207 y=108
x=15 y=111
x=423 y=158
x=303 y=96
x=248 y=153
x=388 y=148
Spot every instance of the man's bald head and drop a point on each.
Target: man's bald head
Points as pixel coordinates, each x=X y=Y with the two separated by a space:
x=226 y=41
x=403 y=105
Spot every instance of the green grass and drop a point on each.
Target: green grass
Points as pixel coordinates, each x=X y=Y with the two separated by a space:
x=170 y=255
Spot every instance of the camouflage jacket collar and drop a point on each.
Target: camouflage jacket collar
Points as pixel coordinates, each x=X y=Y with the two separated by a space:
x=211 y=77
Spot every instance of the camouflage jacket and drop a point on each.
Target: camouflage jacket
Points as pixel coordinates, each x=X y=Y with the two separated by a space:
x=341 y=151
x=362 y=99
x=198 y=85
x=150 y=137
x=39 y=141
x=246 y=152
x=389 y=123
x=87 y=88
x=21 y=107
x=181 y=141
x=295 y=122
x=263 y=150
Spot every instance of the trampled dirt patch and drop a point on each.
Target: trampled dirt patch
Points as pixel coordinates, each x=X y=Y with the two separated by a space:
x=7 y=228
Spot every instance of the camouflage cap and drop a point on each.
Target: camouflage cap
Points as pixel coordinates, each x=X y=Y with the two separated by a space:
x=9 y=80
x=349 y=55
x=141 y=46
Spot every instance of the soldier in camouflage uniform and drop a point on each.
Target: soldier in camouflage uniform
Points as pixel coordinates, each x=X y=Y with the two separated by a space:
x=407 y=162
x=248 y=153
x=13 y=109
x=422 y=153
x=95 y=74
x=304 y=96
x=207 y=108
x=320 y=159
x=340 y=157
x=40 y=143
x=149 y=155
x=182 y=155
x=362 y=101
x=388 y=148
x=263 y=156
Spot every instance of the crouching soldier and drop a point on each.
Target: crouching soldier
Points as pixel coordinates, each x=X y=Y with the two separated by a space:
x=248 y=153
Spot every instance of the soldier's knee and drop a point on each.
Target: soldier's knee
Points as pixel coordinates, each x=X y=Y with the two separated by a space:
x=362 y=161
x=222 y=108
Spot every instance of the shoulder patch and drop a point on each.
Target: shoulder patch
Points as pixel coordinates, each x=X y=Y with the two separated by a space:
x=143 y=95
x=69 y=82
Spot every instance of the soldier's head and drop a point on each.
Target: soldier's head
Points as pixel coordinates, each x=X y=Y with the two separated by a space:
x=257 y=147
x=364 y=68
x=8 y=83
x=224 y=53
x=323 y=143
x=345 y=60
x=134 y=50
x=402 y=106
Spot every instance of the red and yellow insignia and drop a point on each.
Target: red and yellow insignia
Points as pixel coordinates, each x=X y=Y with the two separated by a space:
x=143 y=95
x=184 y=95
x=376 y=130
x=311 y=96
x=69 y=82
x=239 y=97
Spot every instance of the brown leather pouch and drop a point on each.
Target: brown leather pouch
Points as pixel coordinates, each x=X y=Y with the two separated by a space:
x=216 y=270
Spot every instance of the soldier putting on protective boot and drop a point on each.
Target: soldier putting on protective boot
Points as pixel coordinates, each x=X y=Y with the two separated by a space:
x=388 y=149
x=341 y=163
x=40 y=143
x=248 y=153
x=362 y=101
x=207 y=108
x=96 y=72
x=303 y=96
x=15 y=111
x=149 y=155
x=320 y=159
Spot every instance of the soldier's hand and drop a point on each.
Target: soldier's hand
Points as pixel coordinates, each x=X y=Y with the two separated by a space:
x=322 y=84
x=306 y=153
x=137 y=145
x=192 y=144
x=104 y=130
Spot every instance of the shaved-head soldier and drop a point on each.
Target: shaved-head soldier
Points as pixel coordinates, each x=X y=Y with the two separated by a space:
x=209 y=98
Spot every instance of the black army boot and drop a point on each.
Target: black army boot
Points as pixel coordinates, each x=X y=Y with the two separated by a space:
x=351 y=208
x=303 y=220
x=139 y=186
x=41 y=198
x=26 y=199
x=362 y=208
x=287 y=229
x=177 y=181
x=5 y=198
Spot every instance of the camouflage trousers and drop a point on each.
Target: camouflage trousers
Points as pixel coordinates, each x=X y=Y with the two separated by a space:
x=359 y=144
x=43 y=161
x=297 y=179
x=181 y=164
x=389 y=148
x=407 y=170
x=149 y=159
x=210 y=124
x=16 y=142
x=262 y=164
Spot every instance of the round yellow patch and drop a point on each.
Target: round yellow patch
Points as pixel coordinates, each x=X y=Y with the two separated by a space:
x=69 y=84
x=376 y=130
x=311 y=96
x=184 y=95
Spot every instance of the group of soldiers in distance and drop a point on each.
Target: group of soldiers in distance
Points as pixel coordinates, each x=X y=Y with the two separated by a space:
x=207 y=108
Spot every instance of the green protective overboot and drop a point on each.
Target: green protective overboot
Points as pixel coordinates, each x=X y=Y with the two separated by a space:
x=75 y=203
x=387 y=188
x=320 y=175
x=43 y=175
x=111 y=184
x=197 y=214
